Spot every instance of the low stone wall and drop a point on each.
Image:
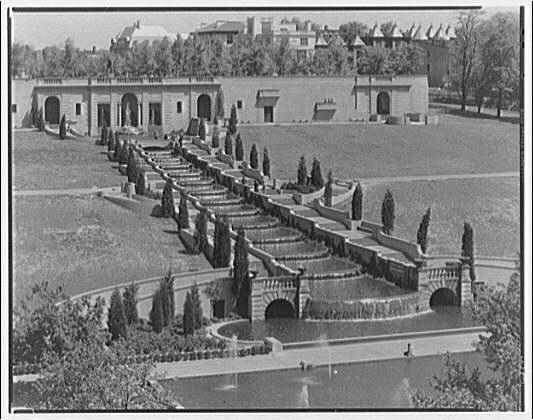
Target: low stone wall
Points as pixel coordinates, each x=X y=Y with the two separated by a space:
x=341 y=198
x=308 y=198
x=252 y=173
x=225 y=158
x=202 y=144
x=334 y=214
x=411 y=249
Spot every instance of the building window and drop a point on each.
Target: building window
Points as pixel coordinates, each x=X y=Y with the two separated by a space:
x=266 y=27
x=178 y=107
x=301 y=54
x=304 y=41
x=14 y=108
x=239 y=104
x=78 y=109
x=104 y=115
x=154 y=113
x=229 y=39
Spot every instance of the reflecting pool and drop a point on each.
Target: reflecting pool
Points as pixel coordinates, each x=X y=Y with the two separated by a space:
x=385 y=384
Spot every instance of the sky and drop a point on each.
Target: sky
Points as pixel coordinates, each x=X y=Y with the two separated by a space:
x=97 y=29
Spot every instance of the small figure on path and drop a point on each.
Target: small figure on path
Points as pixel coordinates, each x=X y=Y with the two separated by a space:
x=409 y=352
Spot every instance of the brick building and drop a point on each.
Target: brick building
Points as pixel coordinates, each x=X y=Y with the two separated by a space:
x=161 y=104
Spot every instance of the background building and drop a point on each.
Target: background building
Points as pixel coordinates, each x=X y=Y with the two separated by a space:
x=224 y=31
x=137 y=33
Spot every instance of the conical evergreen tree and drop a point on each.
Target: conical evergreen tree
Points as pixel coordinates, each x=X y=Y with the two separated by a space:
x=254 y=158
x=156 y=313
x=133 y=162
x=129 y=300
x=422 y=233
x=110 y=137
x=302 y=171
x=116 y=319
x=141 y=184
x=387 y=213
x=167 y=200
x=328 y=191
x=103 y=134
x=63 y=128
x=215 y=137
x=228 y=145
x=42 y=123
x=111 y=144
x=232 y=125
x=266 y=163
x=188 y=315
x=219 y=104
x=357 y=203
x=222 y=240
x=239 y=148
x=316 y=174
x=124 y=153
x=200 y=232
x=183 y=216
x=467 y=248
x=197 y=307
x=240 y=285
x=118 y=150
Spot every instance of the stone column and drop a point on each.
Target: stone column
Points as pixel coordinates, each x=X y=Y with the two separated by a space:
x=257 y=306
x=465 y=283
x=303 y=295
x=139 y=113
x=119 y=115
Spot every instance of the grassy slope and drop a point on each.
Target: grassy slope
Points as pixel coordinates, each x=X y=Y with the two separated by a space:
x=456 y=145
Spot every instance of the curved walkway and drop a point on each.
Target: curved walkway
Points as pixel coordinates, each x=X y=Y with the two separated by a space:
x=426 y=345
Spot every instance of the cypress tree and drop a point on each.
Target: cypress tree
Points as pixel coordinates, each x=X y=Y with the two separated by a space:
x=183 y=215
x=196 y=306
x=228 y=145
x=200 y=232
x=316 y=174
x=222 y=240
x=116 y=319
x=103 y=134
x=110 y=136
x=42 y=123
x=240 y=285
x=219 y=104
x=141 y=183
x=167 y=200
x=156 y=313
x=202 y=129
x=467 y=248
x=232 y=125
x=254 y=158
x=111 y=144
x=118 y=150
x=239 y=148
x=63 y=128
x=328 y=191
x=266 y=163
x=132 y=165
x=129 y=300
x=422 y=233
x=357 y=203
x=302 y=171
x=124 y=153
x=215 y=137
x=387 y=213
x=188 y=316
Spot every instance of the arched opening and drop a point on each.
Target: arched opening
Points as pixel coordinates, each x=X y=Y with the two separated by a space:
x=204 y=107
x=279 y=308
x=443 y=297
x=51 y=110
x=130 y=109
x=383 y=103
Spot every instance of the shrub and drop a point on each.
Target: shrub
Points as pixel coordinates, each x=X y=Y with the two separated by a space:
x=422 y=233
x=239 y=148
x=116 y=319
x=357 y=203
x=63 y=128
x=254 y=160
x=302 y=171
x=387 y=213
x=167 y=200
x=266 y=162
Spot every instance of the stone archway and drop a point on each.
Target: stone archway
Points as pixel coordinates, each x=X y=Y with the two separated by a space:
x=383 y=103
x=204 y=107
x=130 y=110
x=443 y=297
x=51 y=110
x=280 y=308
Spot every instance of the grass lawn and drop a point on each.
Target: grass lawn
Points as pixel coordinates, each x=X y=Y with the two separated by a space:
x=41 y=161
x=457 y=145
x=491 y=205
x=88 y=242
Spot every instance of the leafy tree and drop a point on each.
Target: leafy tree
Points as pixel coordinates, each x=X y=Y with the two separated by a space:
x=215 y=136
x=63 y=128
x=116 y=318
x=219 y=104
x=357 y=203
x=232 y=127
x=467 y=248
x=163 y=57
x=133 y=163
x=156 y=313
x=328 y=191
x=387 y=213
x=129 y=300
x=239 y=148
x=302 y=171
x=422 y=233
x=228 y=145
x=183 y=215
x=41 y=121
x=202 y=129
x=499 y=310
x=266 y=162
x=222 y=241
x=167 y=200
x=254 y=159
x=240 y=285
x=316 y=174
x=188 y=315
x=350 y=30
x=200 y=232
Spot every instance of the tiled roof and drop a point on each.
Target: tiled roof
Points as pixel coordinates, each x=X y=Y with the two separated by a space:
x=450 y=32
x=419 y=34
x=357 y=42
x=430 y=32
x=144 y=32
x=375 y=32
x=396 y=33
x=222 y=27
x=321 y=42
